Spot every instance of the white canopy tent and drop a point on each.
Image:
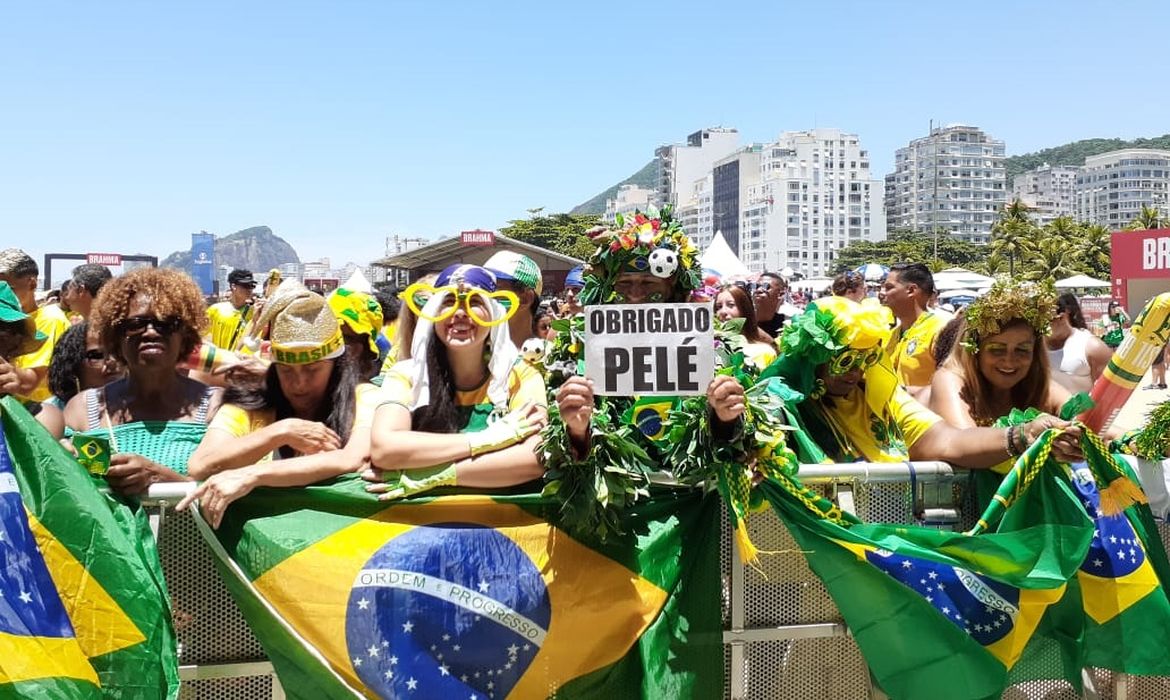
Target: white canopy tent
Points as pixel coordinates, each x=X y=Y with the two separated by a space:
x=721 y=259
x=959 y=278
x=815 y=285
x=357 y=282
x=1081 y=282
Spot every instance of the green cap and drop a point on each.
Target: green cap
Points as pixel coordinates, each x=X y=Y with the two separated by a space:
x=11 y=311
x=514 y=267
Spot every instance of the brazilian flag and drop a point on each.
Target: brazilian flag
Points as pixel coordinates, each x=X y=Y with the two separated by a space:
x=474 y=596
x=84 y=611
x=941 y=614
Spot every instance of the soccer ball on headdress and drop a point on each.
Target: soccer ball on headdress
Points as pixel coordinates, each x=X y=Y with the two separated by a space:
x=663 y=262
x=532 y=350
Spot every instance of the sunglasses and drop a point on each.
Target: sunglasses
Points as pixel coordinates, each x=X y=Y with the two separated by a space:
x=136 y=325
x=463 y=296
x=854 y=359
x=95 y=357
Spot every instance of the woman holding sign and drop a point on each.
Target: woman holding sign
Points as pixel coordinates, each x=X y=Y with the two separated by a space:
x=462 y=411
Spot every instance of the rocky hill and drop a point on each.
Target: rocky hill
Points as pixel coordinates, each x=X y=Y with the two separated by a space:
x=257 y=249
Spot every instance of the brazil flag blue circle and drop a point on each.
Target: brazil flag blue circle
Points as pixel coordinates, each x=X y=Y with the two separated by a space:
x=446 y=611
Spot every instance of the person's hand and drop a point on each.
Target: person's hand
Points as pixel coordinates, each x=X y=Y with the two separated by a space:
x=575 y=402
x=726 y=397
x=67 y=443
x=9 y=379
x=218 y=492
x=308 y=437
x=248 y=370
x=131 y=474
x=513 y=427
x=393 y=484
x=1066 y=447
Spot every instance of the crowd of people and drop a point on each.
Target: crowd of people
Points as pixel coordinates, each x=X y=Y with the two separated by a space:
x=443 y=383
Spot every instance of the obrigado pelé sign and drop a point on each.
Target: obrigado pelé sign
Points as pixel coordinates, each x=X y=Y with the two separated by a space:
x=649 y=349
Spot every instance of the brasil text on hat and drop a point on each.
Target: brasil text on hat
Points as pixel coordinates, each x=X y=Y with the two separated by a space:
x=304 y=328
x=514 y=267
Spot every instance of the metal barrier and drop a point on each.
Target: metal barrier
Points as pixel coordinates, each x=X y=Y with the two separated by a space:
x=784 y=638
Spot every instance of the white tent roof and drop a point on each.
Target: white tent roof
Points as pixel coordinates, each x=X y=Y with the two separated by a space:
x=813 y=284
x=720 y=258
x=1080 y=282
x=959 y=278
x=357 y=282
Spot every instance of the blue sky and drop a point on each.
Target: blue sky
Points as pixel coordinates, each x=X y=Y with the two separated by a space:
x=126 y=126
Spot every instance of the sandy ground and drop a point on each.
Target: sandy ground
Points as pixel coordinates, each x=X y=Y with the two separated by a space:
x=1141 y=402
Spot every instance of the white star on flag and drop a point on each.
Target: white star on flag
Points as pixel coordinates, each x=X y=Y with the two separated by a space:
x=407 y=626
x=25 y=597
x=363 y=604
x=484 y=586
x=393 y=660
x=388 y=675
x=444 y=670
x=357 y=661
x=513 y=650
x=373 y=651
x=411 y=683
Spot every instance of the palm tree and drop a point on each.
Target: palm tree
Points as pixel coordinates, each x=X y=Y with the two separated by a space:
x=1095 y=248
x=1052 y=259
x=1148 y=218
x=992 y=265
x=1013 y=234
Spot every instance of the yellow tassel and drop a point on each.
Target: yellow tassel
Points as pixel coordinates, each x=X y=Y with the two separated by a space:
x=748 y=554
x=1119 y=495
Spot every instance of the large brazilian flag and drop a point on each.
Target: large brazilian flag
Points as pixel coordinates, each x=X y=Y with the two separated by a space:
x=83 y=606
x=471 y=596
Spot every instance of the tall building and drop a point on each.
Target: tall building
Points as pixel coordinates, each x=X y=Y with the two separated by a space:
x=679 y=165
x=952 y=180
x=629 y=198
x=1048 y=191
x=814 y=196
x=731 y=177
x=694 y=213
x=1113 y=187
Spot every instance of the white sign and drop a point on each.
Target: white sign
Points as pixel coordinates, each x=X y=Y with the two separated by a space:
x=649 y=349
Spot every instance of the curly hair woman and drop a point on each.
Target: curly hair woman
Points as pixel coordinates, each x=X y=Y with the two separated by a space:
x=80 y=363
x=154 y=417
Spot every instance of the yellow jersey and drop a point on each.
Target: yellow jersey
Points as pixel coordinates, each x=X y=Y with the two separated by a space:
x=912 y=350
x=227 y=325
x=53 y=322
x=862 y=435
x=525 y=385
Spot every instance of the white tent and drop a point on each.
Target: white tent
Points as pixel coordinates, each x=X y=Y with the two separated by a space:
x=813 y=284
x=959 y=278
x=357 y=282
x=953 y=293
x=720 y=258
x=1080 y=282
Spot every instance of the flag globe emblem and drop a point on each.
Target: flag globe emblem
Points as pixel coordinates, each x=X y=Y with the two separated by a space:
x=445 y=611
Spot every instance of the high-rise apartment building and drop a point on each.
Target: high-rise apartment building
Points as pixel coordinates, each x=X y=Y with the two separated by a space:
x=695 y=214
x=1049 y=191
x=679 y=165
x=731 y=177
x=1113 y=187
x=629 y=198
x=814 y=196
x=952 y=180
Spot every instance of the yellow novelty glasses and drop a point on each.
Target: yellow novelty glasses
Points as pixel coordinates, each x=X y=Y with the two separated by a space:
x=418 y=294
x=852 y=359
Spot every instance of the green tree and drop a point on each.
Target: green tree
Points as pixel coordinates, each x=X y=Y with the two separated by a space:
x=992 y=265
x=1013 y=234
x=1095 y=248
x=560 y=233
x=1148 y=218
x=910 y=246
x=1051 y=259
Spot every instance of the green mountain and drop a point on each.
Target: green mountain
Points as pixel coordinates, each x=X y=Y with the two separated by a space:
x=647 y=177
x=1075 y=153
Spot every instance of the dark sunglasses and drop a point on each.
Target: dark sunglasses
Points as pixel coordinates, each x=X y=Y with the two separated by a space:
x=95 y=357
x=136 y=325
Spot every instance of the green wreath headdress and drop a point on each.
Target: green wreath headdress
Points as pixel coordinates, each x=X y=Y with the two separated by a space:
x=631 y=247
x=1032 y=302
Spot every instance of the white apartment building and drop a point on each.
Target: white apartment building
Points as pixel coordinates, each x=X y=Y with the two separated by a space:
x=629 y=199
x=694 y=214
x=814 y=196
x=1113 y=187
x=1048 y=191
x=680 y=165
x=952 y=180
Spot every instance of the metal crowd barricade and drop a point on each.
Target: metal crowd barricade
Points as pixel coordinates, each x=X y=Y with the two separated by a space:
x=784 y=638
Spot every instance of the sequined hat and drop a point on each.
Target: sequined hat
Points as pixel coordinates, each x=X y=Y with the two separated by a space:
x=304 y=328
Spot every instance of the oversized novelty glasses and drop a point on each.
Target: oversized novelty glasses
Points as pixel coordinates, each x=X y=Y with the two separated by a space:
x=418 y=294
x=854 y=359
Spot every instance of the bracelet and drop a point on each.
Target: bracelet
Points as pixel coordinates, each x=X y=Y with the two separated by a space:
x=1013 y=449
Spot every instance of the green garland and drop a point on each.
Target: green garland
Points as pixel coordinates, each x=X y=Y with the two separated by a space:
x=1153 y=440
x=1034 y=303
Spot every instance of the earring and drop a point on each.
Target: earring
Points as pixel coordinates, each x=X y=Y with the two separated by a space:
x=818 y=390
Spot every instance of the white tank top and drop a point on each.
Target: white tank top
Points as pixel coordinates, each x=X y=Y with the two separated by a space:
x=1070 y=365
